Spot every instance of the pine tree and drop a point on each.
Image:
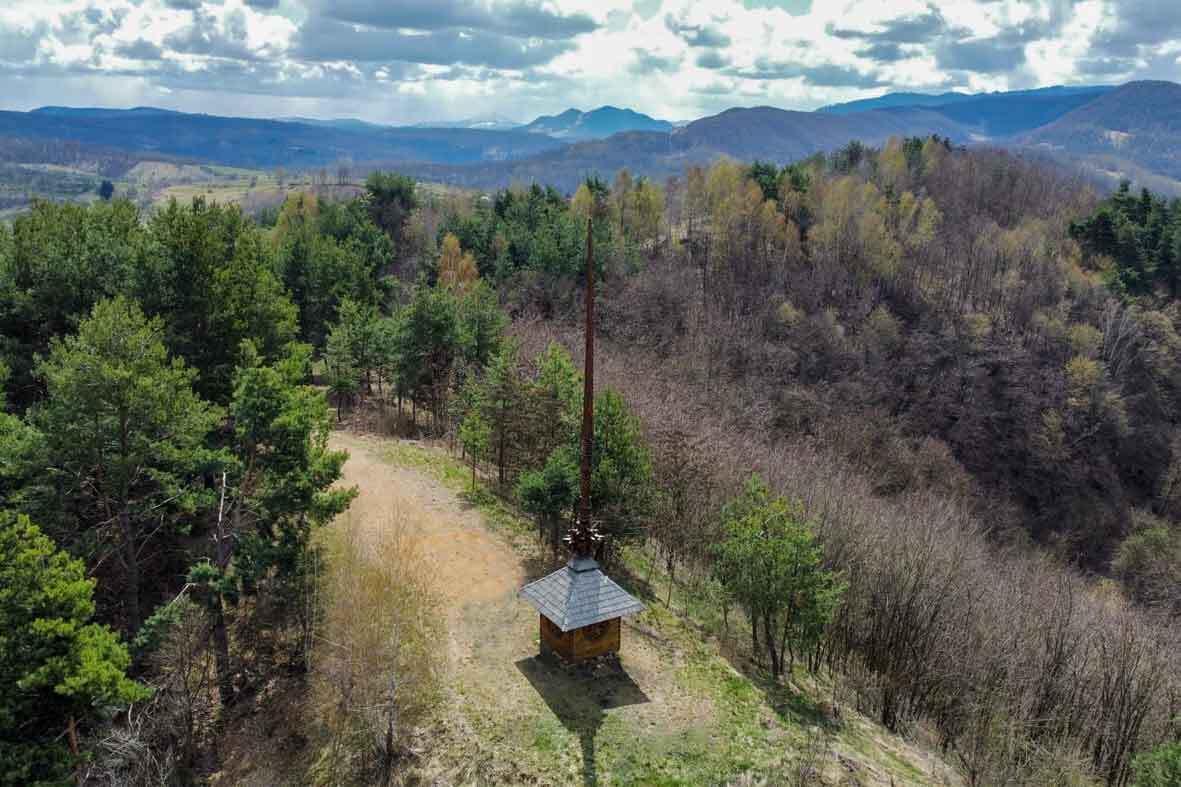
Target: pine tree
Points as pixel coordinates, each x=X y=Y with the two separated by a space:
x=125 y=435
x=60 y=671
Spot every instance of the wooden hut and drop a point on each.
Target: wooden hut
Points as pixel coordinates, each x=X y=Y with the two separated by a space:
x=580 y=610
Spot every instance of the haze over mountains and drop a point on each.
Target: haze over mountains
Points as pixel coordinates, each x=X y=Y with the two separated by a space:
x=1132 y=130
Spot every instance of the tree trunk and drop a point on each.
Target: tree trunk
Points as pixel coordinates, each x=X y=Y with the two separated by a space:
x=131 y=558
x=769 y=637
x=754 y=635
x=221 y=638
x=221 y=652
x=72 y=731
x=500 y=451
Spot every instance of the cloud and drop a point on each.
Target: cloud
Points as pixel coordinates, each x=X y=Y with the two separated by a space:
x=647 y=63
x=998 y=54
x=1138 y=24
x=139 y=49
x=883 y=51
x=822 y=75
x=18 y=45
x=205 y=36
x=517 y=18
x=712 y=59
x=405 y=60
x=323 y=39
x=697 y=35
x=909 y=29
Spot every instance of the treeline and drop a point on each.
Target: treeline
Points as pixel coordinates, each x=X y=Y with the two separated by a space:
x=1136 y=242
x=164 y=464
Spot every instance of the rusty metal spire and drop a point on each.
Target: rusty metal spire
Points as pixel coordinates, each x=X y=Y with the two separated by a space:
x=584 y=537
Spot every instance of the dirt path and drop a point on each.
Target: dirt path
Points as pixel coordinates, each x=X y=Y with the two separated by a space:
x=470 y=564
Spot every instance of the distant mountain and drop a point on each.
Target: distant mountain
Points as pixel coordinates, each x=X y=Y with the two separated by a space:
x=783 y=135
x=757 y=133
x=989 y=115
x=494 y=123
x=889 y=100
x=349 y=124
x=1139 y=122
x=599 y=123
x=250 y=142
x=98 y=113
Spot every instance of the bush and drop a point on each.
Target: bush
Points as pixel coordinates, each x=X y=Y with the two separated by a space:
x=1158 y=768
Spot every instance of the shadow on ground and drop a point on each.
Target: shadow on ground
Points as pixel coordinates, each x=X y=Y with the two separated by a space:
x=580 y=697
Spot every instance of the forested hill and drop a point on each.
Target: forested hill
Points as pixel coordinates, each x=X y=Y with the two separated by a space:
x=249 y=142
x=744 y=134
x=1139 y=122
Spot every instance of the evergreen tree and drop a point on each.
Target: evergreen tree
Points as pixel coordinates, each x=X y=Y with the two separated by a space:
x=551 y=494
x=391 y=198
x=427 y=347
x=341 y=372
x=621 y=471
x=276 y=490
x=125 y=436
x=1160 y=767
x=59 y=671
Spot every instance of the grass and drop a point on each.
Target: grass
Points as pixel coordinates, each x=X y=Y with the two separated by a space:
x=705 y=723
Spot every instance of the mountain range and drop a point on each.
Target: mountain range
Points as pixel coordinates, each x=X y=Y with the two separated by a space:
x=599 y=123
x=1130 y=130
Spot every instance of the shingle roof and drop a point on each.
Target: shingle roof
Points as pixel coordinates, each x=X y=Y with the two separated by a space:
x=579 y=594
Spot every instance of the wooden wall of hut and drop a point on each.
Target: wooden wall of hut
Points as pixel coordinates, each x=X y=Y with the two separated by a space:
x=581 y=644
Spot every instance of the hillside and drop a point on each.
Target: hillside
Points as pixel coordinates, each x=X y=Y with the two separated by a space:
x=783 y=135
x=1139 y=122
x=902 y=99
x=1005 y=114
x=1023 y=109
x=574 y=124
x=249 y=142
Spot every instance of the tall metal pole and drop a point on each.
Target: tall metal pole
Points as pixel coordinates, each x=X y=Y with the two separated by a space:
x=582 y=543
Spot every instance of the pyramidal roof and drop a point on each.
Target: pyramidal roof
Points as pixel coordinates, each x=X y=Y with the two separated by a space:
x=579 y=594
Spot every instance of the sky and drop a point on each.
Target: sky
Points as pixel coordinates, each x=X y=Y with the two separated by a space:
x=407 y=61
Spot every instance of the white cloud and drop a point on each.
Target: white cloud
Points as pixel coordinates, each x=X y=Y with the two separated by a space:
x=441 y=59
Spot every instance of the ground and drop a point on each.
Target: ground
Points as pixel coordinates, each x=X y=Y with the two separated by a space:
x=676 y=712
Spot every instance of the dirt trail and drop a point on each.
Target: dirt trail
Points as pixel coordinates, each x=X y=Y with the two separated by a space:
x=469 y=564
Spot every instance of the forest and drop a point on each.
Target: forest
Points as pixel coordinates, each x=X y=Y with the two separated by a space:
x=907 y=416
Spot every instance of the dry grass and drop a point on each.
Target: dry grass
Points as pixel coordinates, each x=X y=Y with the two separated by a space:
x=379 y=649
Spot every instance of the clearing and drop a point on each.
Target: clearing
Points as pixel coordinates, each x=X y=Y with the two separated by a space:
x=679 y=713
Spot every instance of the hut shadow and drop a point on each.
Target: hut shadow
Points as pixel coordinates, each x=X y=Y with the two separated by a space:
x=580 y=697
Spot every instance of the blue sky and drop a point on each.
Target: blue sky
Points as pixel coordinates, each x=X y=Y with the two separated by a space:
x=417 y=60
